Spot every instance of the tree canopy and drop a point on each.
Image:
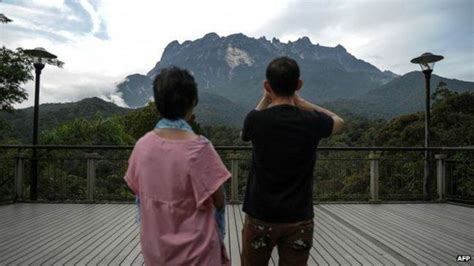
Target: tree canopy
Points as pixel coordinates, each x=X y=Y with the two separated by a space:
x=15 y=69
x=142 y=120
x=80 y=131
x=452 y=122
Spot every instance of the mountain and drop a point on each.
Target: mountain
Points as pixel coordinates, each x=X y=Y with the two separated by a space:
x=403 y=95
x=217 y=110
x=52 y=115
x=136 y=89
x=234 y=67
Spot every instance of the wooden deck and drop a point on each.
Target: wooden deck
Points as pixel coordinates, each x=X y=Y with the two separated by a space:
x=345 y=234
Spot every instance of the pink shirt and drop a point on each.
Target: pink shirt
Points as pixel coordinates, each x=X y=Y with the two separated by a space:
x=175 y=180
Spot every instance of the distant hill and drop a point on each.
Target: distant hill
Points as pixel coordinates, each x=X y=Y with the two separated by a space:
x=403 y=95
x=53 y=114
x=212 y=110
x=217 y=110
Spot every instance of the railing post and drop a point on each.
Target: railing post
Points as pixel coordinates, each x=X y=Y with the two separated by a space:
x=374 y=176
x=19 y=175
x=91 y=174
x=441 y=175
x=234 y=181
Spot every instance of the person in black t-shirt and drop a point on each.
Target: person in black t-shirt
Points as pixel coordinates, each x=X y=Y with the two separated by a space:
x=285 y=131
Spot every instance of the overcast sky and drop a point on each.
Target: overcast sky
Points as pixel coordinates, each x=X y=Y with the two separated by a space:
x=103 y=41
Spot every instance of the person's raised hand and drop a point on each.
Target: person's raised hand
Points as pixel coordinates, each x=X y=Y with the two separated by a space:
x=298 y=99
x=267 y=96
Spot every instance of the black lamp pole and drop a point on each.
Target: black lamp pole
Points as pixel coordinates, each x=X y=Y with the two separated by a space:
x=427 y=62
x=34 y=159
x=426 y=179
x=38 y=54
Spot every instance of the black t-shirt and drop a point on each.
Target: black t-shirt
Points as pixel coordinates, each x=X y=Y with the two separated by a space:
x=280 y=183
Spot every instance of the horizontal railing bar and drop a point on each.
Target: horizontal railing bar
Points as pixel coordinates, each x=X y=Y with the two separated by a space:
x=236 y=148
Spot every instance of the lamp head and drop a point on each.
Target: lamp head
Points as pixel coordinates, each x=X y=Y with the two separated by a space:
x=427 y=61
x=39 y=54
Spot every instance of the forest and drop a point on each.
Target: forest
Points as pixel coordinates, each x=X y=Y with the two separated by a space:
x=339 y=175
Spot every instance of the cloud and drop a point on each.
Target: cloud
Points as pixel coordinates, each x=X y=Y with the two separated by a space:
x=62 y=85
x=115 y=97
x=103 y=41
x=396 y=31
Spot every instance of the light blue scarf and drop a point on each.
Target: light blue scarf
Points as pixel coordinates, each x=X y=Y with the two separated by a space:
x=176 y=124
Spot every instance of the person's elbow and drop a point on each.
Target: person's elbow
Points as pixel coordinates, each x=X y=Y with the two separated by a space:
x=218 y=198
x=243 y=137
x=219 y=203
x=338 y=125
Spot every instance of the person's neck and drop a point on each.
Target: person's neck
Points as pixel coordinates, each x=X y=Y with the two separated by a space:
x=283 y=101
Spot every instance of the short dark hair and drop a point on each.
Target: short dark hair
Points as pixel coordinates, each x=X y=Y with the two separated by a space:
x=283 y=74
x=175 y=92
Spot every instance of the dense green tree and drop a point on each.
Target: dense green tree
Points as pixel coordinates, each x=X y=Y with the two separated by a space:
x=453 y=118
x=140 y=121
x=15 y=69
x=224 y=136
x=80 y=131
x=358 y=131
x=52 y=115
x=62 y=174
x=452 y=122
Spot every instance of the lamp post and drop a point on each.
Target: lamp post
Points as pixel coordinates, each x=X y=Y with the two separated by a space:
x=427 y=62
x=39 y=56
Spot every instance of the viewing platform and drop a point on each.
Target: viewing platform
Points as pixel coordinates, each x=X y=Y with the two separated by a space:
x=83 y=213
x=345 y=234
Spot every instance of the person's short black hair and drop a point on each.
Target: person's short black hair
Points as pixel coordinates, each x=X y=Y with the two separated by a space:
x=283 y=74
x=175 y=92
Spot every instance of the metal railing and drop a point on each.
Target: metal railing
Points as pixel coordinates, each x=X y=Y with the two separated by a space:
x=373 y=174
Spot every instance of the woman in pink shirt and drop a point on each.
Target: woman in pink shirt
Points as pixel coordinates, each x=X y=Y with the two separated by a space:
x=178 y=177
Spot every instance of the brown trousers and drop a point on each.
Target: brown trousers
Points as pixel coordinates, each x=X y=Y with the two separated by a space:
x=293 y=240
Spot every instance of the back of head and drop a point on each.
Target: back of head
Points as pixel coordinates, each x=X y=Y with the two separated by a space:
x=175 y=92
x=283 y=74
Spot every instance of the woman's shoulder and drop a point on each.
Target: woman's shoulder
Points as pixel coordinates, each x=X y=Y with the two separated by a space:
x=194 y=141
x=145 y=139
x=199 y=142
x=201 y=146
x=155 y=136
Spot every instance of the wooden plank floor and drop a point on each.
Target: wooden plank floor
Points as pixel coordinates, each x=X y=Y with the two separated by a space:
x=345 y=234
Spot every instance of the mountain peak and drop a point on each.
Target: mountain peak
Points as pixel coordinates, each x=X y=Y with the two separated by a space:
x=304 y=41
x=93 y=100
x=390 y=73
x=172 y=45
x=340 y=47
x=237 y=36
x=211 y=36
